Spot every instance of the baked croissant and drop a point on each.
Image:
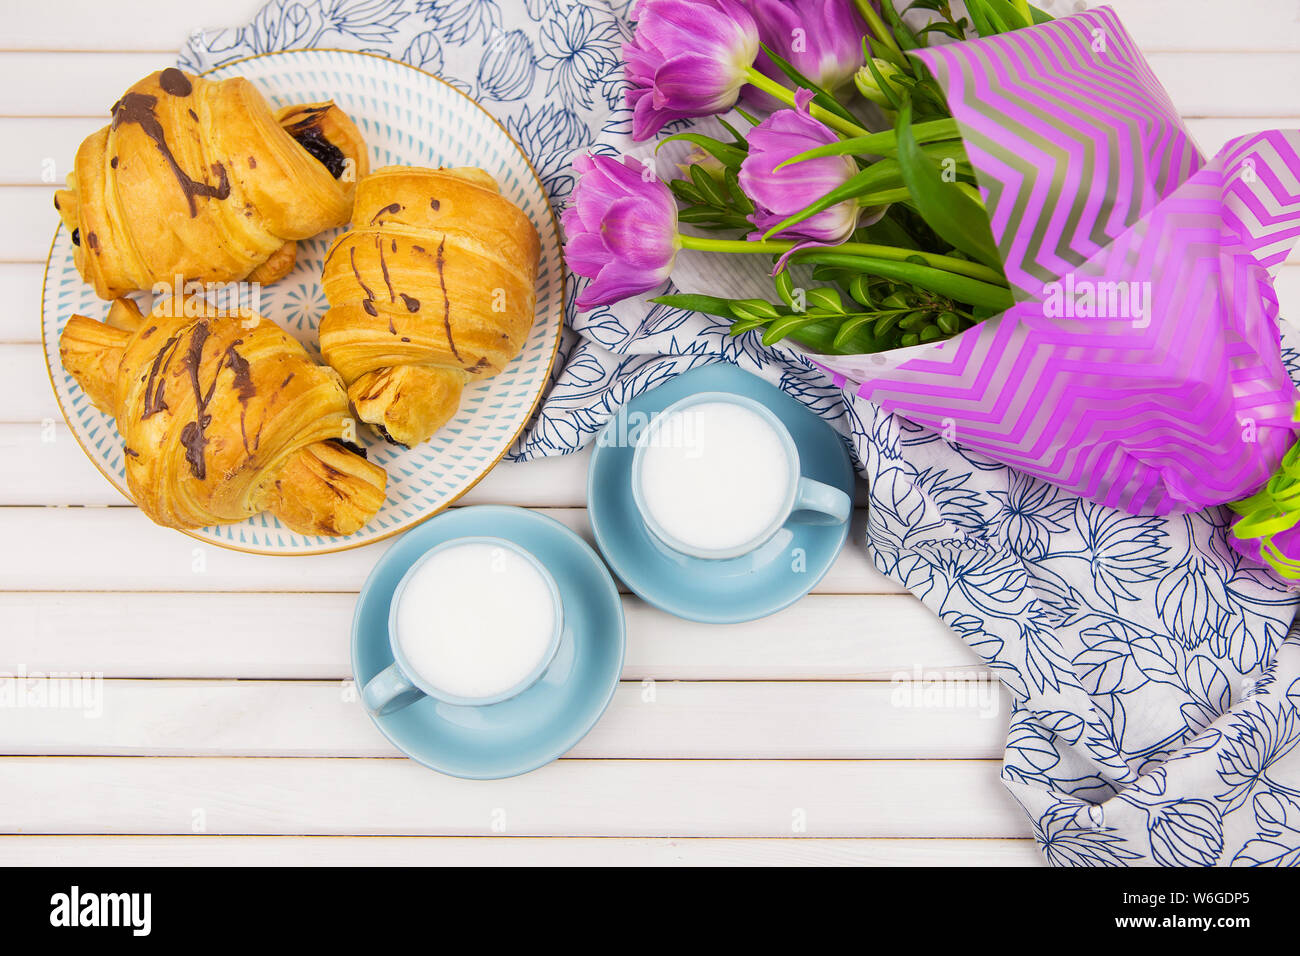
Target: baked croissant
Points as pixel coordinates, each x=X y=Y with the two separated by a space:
x=434 y=286
x=199 y=179
x=223 y=416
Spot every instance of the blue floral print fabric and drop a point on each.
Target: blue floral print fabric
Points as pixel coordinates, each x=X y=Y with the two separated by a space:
x=1155 y=686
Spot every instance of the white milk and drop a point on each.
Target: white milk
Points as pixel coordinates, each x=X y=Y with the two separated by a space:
x=475 y=619
x=714 y=476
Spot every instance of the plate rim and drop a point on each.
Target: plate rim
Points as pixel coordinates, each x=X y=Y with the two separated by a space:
x=401 y=529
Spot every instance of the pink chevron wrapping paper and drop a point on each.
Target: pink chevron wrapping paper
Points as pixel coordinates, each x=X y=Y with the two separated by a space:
x=1167 y=393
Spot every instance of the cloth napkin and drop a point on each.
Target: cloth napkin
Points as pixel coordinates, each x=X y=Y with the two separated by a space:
x=1154 y=684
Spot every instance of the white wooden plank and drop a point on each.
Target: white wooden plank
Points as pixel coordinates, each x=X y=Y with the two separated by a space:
x=30 y=219
x=20 y=290
x=39 y=151
x=957 y=718
x=71 y=84
x=133 y=25
x=42 y=464
x=26 y=394
x=1229 y=84
x=1204 y=25
x=147 y=25
x=311 y=796
x=1247 y=83
x=105 y=549
x=508 y=851
x=306 y=636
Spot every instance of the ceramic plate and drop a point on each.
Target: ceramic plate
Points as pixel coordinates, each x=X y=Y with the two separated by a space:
x=407 y=117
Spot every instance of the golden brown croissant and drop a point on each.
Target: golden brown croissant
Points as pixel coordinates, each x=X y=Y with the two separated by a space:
x=223 y=416
x=199 y=179
x=432 y=287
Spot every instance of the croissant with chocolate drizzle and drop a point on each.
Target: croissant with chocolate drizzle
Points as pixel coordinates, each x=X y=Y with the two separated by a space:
x=223 y=415
x=199 y=179
x=433 y=287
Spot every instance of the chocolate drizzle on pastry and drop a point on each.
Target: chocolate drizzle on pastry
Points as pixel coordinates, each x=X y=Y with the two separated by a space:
x=446 y=301
x=194 y=435
x=154 y=401
x=243 y=382
x=175 y=82
x=390 y=209
x=139 y=108
x=388 y=280
x=368 y=303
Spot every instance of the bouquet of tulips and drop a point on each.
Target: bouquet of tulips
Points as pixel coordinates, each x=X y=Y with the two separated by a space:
x=993 y=224
x=890 y=221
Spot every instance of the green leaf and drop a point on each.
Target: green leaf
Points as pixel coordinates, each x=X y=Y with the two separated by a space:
x=727 y=155
x=826 y=300
x=785 y=325
x=903 y=34
x=849 y=327
x=1007 y=14
x=708 y=186
x=685 y=191
x=820 y=96
x=975 y=8
x=692 y=302
x=884 y=143
x=952 y=214
x=784 y=286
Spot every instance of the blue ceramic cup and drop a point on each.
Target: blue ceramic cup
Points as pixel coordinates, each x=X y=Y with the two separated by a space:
x=400 y=685
x=806 y=500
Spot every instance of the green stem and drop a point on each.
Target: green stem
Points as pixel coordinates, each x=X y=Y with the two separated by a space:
x=961 y=267
x=877 y=25
x=773 y=88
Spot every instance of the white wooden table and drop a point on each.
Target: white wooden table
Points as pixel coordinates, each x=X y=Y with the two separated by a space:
x=229 y=733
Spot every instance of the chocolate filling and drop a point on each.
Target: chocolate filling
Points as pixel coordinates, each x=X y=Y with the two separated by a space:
x=349 y=446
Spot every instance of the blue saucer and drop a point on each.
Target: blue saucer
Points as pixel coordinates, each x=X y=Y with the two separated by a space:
x=545 y=721
x=726 y=591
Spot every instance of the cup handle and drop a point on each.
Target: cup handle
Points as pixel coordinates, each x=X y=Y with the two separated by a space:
x=389 y=690
x=818 y=503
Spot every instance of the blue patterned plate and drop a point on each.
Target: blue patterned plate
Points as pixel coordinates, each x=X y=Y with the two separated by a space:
x=546 y=720
x=407 y=117
x=715 y=592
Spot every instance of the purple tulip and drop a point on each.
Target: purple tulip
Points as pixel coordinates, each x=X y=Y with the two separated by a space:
x=687 y=58
x=780 y=193
x=621 y=229
x=822 y=39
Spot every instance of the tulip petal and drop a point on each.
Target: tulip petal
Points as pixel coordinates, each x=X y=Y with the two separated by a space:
x=633 y=233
